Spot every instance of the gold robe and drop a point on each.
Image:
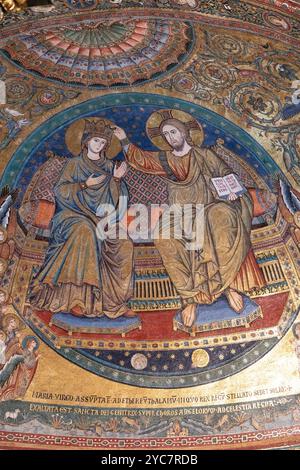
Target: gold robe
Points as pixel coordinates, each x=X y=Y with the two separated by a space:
x=226 y=259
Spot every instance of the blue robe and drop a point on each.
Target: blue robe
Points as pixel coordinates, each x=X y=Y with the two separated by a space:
x=80 y=270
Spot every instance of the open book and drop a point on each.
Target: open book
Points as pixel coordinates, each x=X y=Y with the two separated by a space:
x=228 y=184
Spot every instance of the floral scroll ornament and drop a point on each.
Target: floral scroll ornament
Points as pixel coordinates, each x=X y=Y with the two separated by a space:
x=187 y=84
x=279 y=68
x=212 y=74
x=226 y=47
x=203 y=79
x=255 y=104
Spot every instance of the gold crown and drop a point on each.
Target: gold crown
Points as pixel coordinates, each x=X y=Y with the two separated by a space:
x=97 y=128
x=82 y=130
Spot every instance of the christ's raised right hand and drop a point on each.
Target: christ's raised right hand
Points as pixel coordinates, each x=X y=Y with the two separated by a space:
x=120 y=133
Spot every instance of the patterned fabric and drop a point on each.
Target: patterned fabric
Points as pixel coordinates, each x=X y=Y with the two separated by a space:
x=146 y=189
x=50 y=173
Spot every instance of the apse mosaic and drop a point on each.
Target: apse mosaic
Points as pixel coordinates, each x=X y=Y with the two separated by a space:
x=110 y=356
x=191 y=105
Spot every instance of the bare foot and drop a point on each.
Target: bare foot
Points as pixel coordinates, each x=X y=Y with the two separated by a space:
x=235 y=300
x=129 y=314
x=189 y=315
x=77 y=311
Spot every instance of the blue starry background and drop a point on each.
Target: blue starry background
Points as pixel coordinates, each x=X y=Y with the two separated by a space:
x=164 y=363
x=133 y=118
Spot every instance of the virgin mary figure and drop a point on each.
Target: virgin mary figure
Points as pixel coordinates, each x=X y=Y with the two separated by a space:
x=83 y=274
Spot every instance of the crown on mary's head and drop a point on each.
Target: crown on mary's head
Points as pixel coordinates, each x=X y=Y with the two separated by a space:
x=97 y=128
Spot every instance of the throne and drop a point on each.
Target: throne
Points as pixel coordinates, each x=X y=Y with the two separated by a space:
x=153 y=290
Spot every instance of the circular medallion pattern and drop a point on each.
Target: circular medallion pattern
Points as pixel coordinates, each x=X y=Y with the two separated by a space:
x=214 y=75
x=17 y=90
x=276 y=20
x=256 y=103
x=226 y=46
x=48 y=97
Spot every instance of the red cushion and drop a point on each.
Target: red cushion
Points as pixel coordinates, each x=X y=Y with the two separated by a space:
x=44 y=213
x=263 y=200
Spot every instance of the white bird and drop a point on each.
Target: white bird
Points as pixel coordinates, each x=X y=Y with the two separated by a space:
x=13 y=112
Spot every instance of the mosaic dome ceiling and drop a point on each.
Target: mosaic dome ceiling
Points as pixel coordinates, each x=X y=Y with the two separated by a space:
x=104 y=53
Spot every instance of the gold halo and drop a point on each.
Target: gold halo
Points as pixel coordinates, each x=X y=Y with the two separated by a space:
x=9 y=316
x=75 y=132
x=155 y=120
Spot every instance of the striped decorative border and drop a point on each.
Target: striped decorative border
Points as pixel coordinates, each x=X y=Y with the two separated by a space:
x=258 y=439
